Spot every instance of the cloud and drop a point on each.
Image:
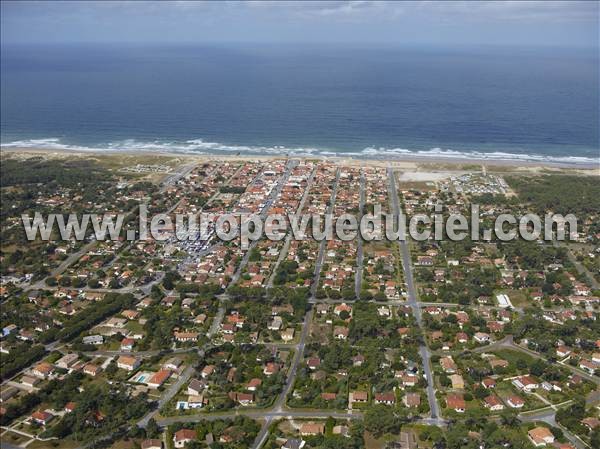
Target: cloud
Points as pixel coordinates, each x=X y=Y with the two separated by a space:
x=561 y=11
x=385 y=21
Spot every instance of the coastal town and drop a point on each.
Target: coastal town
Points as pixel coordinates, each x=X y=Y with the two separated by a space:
x=202 y=343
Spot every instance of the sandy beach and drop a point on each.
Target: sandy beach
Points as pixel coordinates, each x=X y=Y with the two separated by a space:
x=403 y=162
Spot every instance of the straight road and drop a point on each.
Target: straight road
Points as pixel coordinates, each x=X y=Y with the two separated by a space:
x=170 y=392
x=323 y=243
x=258 y=414
x=288 y=239
x=280 y=401
x=271 y=199
x=359 y=249
x=415 y=305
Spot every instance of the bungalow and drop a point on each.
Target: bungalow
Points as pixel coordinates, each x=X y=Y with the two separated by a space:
x=425 y=261
x=495 y=326
x=312 y=429
x=184 y=337
x=493 y=403
x=448 y=364
x=457 y=382
x=488 y=383
x=41 y=417
x=200 y=319
x=228 y=328
x=408 y=380
x=159 y=378
x=70 y=407
x=498 y=363
x=525 y=383
x=91 y=370
x=540 y=436
x=591 y=423
x=42 y=370
x=207 y=371
x=66 y=361
x=343 y=307
x=93 y=296
x=127 y=363
x=456 y=402
x=196 y=401
x=340 y=332
x=30 y=382
x=412 y=400
x=588 y=366
x=127 y=344
x=384 y=311
x=118 y=323
x=270 y=369
x=173 y=363
x=183 y=436
x=563 y=351
x=130 y=314
x=388 y=398
x=322 y=309
x=242 y=398
x=151 y=444
x=515 y=402
x=328 y=396
x=358 y=397
x=288 y=334
x=253 y=384
x=196 y=387
x=461 y=337
x=169 y=301
x=313 y=363
x=481 y=337
x=276 y=324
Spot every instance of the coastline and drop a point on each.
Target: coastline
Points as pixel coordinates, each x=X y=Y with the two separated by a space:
x=405 y=161
x=487 y=155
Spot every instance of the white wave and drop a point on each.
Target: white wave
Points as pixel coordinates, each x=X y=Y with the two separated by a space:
x=199 y=146
x=479 y=155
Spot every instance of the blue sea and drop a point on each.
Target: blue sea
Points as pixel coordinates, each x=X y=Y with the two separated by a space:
x=362 y=101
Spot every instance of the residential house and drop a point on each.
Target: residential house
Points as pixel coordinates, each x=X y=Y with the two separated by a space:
x=128 y=363
x=183 y=436
x=540 y=436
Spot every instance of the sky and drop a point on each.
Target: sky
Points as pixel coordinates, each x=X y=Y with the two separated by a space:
x=513 y=23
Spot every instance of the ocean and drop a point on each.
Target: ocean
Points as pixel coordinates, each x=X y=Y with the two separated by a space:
x=361 y=101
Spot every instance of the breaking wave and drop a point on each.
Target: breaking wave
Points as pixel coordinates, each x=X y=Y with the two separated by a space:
x=199 y=146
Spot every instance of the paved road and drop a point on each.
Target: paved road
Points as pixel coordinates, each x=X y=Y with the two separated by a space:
x=71 y=259
x=271 y=199
x=548 y=416
x=170 y=392
x=280 y=401
x=508 y=343
x=259 y=414
x=415 y=305
x=358 y=276
x=581 y=269
x=172 y=178
x=290 y=236
x=323 y=243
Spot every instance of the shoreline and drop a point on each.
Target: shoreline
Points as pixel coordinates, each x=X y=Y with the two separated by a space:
x=394 y=160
